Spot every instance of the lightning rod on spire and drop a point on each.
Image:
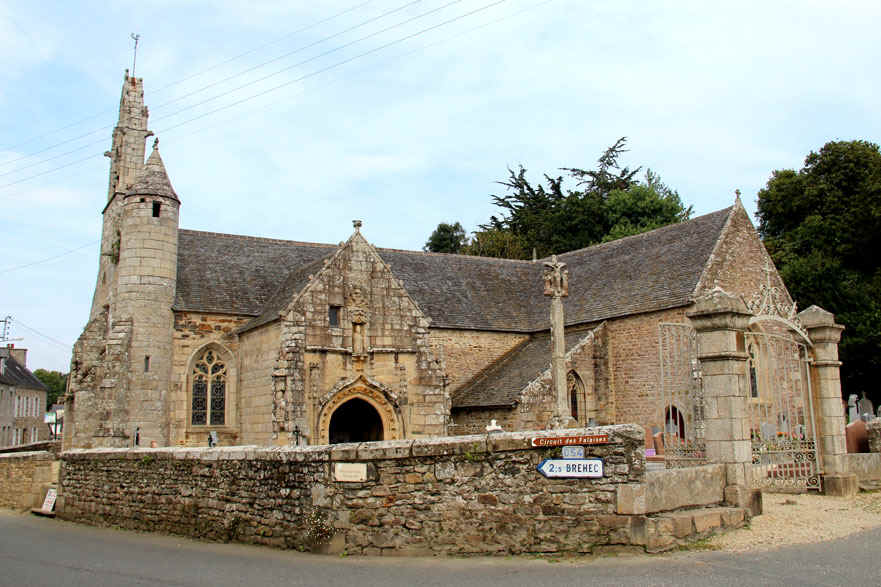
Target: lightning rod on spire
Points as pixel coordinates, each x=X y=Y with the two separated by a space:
x=135 y=38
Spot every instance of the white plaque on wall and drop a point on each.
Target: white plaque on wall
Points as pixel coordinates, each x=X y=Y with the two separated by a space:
x=350 y=472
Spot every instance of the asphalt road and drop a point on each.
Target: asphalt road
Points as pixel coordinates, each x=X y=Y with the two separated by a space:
x=38 y=551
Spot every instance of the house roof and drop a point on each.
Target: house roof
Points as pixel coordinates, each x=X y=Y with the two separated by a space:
x=15 y=374
x=501 y=384
x=655 y=270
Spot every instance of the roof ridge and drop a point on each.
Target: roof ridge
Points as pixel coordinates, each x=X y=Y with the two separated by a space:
x=643 y=234
x=257 y=238
x=433 y=254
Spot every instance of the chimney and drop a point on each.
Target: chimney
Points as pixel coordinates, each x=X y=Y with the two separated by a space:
x=20 y=355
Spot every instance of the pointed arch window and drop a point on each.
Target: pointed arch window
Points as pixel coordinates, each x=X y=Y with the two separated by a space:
x=209 y=390
x=576 y=393
x=753 y=379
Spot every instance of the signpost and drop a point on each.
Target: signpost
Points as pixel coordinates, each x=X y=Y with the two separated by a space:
x=577 y=468
x=570 y=440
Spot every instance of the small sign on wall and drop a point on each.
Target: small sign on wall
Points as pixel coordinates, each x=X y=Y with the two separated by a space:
x=350 y=472
x=543 y=441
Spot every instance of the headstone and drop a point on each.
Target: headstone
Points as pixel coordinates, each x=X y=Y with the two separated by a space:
x=659 y=443
x=856 y=437
x=865 y=407
x=853 y=412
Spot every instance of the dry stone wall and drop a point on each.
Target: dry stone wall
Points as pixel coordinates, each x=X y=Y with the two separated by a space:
x=453 y=495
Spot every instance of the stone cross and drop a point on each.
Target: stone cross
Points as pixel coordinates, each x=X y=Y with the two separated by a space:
x=556 y=286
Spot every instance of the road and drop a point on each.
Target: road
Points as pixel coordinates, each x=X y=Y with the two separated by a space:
x=39 y=551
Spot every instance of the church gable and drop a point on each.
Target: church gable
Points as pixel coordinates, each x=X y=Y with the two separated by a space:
x=353 y=318
x=739 y=263
x=355 y=303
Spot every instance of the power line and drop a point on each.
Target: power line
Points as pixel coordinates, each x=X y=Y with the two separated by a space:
x=335 y=65
x=64 y=254
x=182 y=80
x=46 y=336
x=280 y=86
x=204 y=88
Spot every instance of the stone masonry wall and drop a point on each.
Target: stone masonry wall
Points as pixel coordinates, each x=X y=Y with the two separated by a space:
x=635 y=366
x=194 y=332
x=467 y=352
x=23 y=476
x=462 y=495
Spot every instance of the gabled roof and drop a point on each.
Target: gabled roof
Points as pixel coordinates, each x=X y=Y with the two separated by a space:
x=501 y=384
x=642 y=273
x=153 y=179
x=229 y=274
x=16 y=374
x=651 y=271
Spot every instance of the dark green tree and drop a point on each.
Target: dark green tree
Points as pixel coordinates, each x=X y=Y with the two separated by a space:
x=822 y=227
x=607 y=202
x=446 y=238
x=55 y=381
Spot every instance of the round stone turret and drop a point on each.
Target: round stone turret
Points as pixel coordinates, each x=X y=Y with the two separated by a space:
x=147 y=280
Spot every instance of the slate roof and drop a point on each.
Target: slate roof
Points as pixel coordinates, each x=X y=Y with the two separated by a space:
x=500 y=384
x=230 y=274
x=651 y=271
x=153 y=179
x=16 y=374
x=642 y=273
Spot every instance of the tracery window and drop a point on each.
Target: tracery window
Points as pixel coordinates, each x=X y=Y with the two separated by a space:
x=209 y=390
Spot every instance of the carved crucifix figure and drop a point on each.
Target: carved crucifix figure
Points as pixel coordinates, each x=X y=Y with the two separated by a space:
x=556 y=285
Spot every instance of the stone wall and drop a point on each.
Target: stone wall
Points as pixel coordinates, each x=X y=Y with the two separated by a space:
x=634 y=361
x=453 y=495
x=465 y=353
x=24 y=477
x=866 y=466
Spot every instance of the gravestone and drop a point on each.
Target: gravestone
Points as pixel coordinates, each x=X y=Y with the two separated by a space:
x=865 y=407
x=856 y=437
x=853 y=412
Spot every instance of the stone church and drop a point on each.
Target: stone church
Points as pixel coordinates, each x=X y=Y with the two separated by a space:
x=196 y=336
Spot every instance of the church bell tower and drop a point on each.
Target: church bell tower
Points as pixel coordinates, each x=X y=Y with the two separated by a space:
x=126 y=156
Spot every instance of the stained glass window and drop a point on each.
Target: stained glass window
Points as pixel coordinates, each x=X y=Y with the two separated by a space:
x=209 y=372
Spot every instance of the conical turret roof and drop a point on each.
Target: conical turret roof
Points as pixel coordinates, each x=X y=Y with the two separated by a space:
x=153 y=179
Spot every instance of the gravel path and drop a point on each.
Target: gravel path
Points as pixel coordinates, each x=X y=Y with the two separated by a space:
x=801 y=519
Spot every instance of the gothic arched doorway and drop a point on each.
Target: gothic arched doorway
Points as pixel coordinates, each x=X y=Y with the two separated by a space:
x=355 y=421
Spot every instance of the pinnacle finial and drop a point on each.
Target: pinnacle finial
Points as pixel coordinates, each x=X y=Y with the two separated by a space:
x=357 y=224
x=155 y=143
x=737 y=194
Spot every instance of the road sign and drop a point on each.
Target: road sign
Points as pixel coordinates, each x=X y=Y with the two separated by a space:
x=578 y=468
x=573 y=452
x=570 y=440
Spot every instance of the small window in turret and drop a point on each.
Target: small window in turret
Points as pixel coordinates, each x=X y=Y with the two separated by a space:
x=156 y=207
x=146 y=363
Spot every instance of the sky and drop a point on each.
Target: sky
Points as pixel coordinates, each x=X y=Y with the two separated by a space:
x=290 y=119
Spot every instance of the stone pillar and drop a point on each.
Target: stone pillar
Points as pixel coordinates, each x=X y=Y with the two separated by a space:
x=720 y=320
x=556 y=279
x=826 y=388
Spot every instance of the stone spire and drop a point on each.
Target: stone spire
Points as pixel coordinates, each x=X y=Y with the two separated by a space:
x=153 y=179
x=127 y=149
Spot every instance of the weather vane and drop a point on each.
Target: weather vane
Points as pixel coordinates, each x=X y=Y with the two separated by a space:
x=135 y=38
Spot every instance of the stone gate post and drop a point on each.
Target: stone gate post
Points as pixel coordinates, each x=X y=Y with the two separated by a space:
x=826 y=383
x=720 y=319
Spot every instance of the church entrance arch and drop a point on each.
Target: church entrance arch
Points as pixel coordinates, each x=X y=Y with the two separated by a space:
x=355 y=421
x=359 y=411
